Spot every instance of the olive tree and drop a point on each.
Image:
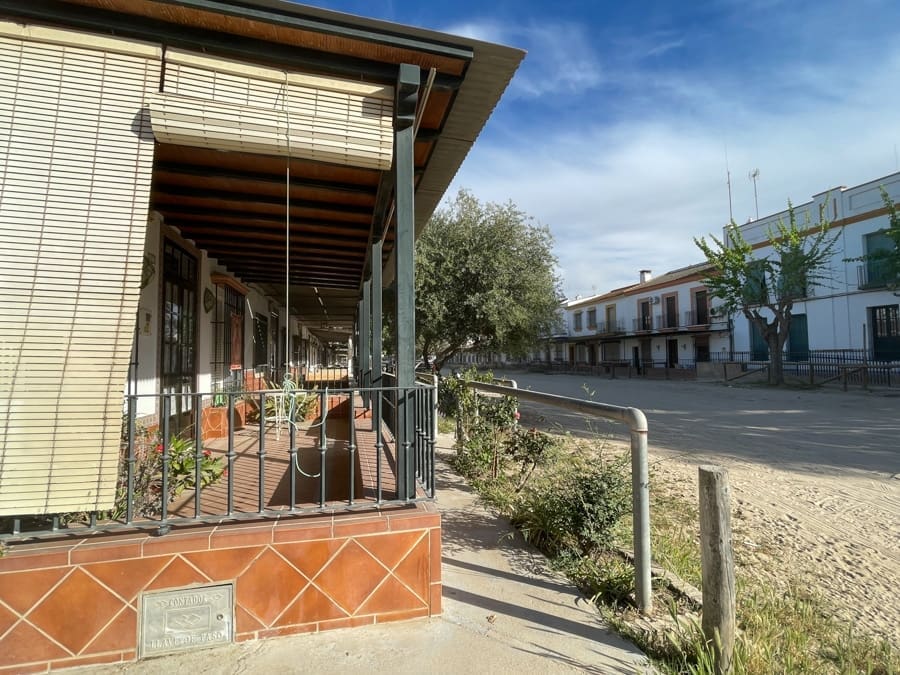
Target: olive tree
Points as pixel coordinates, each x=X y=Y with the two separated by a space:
x=764 y=289
x=485 y=280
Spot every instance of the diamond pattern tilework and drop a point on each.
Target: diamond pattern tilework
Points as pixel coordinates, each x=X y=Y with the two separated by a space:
x=391 y=596
x=268 y=585
x=7 y=619
x=312 y=605
x=245 y=622
x=24 y=644
x=310 y=556
x=127 y=577
x=223 y=564
x=351 y=576
x=176 y=574
x=78 y=613
x=413 y=570
x=20 y=590
x=391 y=550
x=75 y=610
x=120 y=635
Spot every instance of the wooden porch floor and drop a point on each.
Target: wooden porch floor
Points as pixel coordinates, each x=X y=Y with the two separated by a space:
x=276 y=471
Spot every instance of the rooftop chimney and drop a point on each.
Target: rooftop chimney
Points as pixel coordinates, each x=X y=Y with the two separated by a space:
x=646 y=275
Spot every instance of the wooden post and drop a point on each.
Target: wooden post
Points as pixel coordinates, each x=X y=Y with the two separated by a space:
x=717 y=564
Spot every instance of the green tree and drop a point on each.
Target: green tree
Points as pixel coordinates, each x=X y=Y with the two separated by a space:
x=485 y=280
x=764 y=289
x=884 y=263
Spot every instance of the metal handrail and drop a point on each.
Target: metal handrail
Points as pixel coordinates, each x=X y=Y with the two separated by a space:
x=640 y=473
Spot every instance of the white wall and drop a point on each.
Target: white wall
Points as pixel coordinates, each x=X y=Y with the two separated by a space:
x=837 y=312
x=149 y=323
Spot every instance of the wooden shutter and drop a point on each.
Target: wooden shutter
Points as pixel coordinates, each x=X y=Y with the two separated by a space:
x=76 y=154
x=227 y=105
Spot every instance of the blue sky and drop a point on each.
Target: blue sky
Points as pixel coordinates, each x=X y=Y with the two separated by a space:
x=615 y=130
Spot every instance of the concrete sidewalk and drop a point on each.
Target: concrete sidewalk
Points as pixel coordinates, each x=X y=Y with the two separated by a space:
x=504 y=612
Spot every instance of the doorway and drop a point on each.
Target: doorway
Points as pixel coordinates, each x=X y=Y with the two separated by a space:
x=178 y=336
x=671 y=353
x=886 y=332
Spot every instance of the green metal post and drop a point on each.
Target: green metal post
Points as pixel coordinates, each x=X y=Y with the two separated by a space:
x=406 y=99
x=377 y=323
x=365 y=337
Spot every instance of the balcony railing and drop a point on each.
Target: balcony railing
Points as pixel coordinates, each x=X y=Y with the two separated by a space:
x=256 y=455
x=874 y=274
x=696 y=318
x=643 y=323
x=666 y=321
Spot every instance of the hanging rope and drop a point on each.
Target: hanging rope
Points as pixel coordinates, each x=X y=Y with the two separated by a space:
x=288 y=384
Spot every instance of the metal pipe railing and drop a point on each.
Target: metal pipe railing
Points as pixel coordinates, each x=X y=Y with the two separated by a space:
x=640 y=473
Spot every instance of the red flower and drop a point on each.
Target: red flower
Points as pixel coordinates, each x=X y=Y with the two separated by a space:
x=159 y=448
x=207 y=453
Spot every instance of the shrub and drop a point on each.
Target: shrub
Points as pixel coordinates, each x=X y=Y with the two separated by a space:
x=530 y=448
x=183 y=465
x=483 y=424
x=576 y=511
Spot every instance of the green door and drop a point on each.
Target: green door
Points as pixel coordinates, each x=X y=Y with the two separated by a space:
x=798 y=339
x=759 y=350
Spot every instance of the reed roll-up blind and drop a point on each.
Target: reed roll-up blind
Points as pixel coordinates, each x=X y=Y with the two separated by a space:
x=228 y=105
x=76 y=154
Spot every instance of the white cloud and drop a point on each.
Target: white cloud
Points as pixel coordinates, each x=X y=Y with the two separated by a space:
x=561 y=57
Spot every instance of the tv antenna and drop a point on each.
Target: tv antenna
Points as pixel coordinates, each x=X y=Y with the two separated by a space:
x=728 y=182
x=753 y=175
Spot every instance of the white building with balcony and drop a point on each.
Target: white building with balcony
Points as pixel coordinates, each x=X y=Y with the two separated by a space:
x=853 y=314
x=667 y=321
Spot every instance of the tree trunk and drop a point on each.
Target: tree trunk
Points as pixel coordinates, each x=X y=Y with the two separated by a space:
x=776 y=360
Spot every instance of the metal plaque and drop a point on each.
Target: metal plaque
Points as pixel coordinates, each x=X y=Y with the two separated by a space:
x=175 y=621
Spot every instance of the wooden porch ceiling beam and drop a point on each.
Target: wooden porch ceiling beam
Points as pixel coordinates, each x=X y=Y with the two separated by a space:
x=239 y=214
x=309 y=239
x=339 y=255
x=319 y=282
x=212 y=172
x=266 y=231
x=168 y=190
x=304 y=280
x=269 y=232
x=262 y=265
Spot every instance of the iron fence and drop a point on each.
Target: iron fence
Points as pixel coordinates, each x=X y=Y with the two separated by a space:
x=175 y=470
x=822 y=366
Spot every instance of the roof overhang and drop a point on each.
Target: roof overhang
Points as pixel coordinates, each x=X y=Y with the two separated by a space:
x=233 y=204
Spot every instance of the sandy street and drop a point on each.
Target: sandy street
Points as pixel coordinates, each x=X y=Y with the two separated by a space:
x=815 y=476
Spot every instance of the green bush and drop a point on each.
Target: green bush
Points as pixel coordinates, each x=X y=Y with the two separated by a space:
x=575 y=511
x=530 y=448
x=484 y=423
x=183 y=465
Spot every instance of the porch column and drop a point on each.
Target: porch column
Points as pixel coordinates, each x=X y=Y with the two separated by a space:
x=377 y=322
x=407 y=94
x=365 y=338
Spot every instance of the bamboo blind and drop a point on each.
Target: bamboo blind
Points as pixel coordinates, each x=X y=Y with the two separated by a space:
x=227 y=105
x=76 y=155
